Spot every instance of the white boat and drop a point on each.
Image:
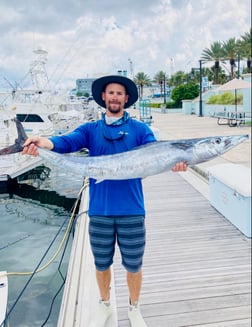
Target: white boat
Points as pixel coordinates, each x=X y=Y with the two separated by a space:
x=45 y=119
x=3 y=295
x=43 y=114
x=44 y=111
x=34 y=119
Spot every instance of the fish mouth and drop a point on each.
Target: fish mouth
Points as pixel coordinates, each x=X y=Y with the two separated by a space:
x=235 y=139
x=241 y=138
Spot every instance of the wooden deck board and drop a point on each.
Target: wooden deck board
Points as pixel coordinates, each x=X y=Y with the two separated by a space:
x=197 y=265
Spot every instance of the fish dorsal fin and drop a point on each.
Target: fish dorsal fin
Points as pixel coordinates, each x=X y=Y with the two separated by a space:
x=181 y=145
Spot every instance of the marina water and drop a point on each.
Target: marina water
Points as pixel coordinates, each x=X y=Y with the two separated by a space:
x=34 y=214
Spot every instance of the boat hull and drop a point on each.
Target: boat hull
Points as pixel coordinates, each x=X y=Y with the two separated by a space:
x=3 y=295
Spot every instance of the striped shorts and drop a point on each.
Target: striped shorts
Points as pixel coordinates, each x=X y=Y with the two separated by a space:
x=128 y=232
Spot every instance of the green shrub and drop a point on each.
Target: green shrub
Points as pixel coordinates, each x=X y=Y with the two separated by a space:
x=170 y=104
x=225 y=98
x=156 y=105
x=184 y=92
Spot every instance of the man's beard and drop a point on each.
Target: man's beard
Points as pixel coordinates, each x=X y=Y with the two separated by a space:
x=114 y=110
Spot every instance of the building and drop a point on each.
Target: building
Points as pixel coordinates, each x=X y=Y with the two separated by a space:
x=83 y=86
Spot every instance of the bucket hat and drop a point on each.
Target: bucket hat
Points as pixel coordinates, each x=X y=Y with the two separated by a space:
x=100 y=84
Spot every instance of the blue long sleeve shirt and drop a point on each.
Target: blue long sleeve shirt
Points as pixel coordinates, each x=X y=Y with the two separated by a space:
x=109 y=197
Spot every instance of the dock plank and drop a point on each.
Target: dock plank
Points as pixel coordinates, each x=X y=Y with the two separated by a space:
x=197 y=265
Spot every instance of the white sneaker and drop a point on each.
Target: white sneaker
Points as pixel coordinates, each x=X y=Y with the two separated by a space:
x=135 y=316
x=104 y=311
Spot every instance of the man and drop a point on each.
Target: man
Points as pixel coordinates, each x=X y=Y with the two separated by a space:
x=116 y=207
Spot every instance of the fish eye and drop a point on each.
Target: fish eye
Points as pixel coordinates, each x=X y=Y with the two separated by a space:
x=218 y=140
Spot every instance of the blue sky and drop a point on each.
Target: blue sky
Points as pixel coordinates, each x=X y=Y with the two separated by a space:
x=89 y=38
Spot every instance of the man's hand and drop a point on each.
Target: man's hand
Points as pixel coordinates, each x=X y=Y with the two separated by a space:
x=180 y=166
x=32 y=144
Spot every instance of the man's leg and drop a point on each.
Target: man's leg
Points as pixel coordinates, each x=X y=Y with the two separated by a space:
x=134 y=281
x=102 y=240
x=104 y=310
x=131 y=240
x=103 y=280
x=134 y=284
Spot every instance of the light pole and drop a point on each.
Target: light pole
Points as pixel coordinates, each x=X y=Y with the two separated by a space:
x=164 y=90
x=200 y=83
x=238 y=59
x=200 y=86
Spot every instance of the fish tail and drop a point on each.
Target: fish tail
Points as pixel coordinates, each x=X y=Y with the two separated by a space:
x=18 y=145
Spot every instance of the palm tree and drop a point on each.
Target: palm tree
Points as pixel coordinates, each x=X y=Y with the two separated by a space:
x=194 y=76
x=215 y=53
x=230 y=52
x=245 y=48
x=178 y=78
x=160 y=78
x=141 y=80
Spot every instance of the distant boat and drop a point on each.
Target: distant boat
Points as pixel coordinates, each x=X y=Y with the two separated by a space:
x=44 y=111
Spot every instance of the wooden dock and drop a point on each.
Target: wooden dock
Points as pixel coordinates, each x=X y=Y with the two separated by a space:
x=197 y=267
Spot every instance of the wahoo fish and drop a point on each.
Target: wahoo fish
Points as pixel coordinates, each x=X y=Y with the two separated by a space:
x=146 y=160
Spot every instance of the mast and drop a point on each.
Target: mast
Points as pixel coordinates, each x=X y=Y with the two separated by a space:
x=38 y=71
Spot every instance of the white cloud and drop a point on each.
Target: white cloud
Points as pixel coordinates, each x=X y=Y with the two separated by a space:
x=88 y=38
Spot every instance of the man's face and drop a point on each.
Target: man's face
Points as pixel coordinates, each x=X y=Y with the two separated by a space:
x=115 y=98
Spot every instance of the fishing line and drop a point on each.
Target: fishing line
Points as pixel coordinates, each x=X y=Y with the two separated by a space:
x=63 y=278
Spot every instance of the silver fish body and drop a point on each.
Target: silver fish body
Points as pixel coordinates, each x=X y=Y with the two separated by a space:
x=150 y=159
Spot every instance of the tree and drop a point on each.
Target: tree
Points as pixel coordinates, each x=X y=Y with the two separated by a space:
x=184 y=92
x=244 y=46
x=215 y=53
x=160 y=78
x=141 y=80
x=230 y=52
x=178 y=78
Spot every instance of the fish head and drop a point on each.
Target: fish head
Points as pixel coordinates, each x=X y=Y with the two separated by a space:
x=211 y=147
